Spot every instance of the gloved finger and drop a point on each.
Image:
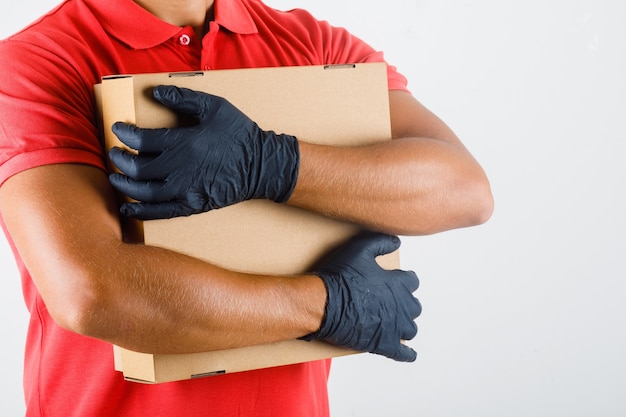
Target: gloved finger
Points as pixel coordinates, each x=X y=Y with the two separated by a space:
x=414 y=308
x=137 y=167
x=183 y=100
x=377 y=244
x=151 y=211
x=144 y=140
x=408 y=279
x=409 y=331
x=403 y=353
x=146 y=191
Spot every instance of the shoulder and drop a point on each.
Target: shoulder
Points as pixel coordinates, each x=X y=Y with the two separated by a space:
x=46 y=95
x=299 y=20
x=57 y=50
x=332 y=44
x=64 y=33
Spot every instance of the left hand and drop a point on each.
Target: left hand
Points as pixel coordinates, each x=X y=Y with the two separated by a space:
x=222 y=160
x=368 y=308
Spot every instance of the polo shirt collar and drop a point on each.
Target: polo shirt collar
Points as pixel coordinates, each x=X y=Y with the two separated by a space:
x=234 y=16
x=137 y=28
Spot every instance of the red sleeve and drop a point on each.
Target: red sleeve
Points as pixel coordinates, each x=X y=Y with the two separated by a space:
x=345 y=47
x=338 y=46
x=48 y=110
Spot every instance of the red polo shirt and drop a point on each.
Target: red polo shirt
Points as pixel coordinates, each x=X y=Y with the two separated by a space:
x=47 y=116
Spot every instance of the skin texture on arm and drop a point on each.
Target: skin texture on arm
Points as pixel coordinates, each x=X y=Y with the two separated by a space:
x=64 y=222
x=425 y=181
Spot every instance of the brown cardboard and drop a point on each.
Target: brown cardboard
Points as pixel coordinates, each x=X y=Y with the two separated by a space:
x=336 y=105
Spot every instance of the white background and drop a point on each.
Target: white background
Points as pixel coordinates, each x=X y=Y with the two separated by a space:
x=524 y=315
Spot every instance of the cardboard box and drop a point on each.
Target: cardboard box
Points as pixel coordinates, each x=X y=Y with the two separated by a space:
x=344 y=105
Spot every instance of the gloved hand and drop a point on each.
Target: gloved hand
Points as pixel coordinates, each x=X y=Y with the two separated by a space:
x=223 y=159
x=369 y=309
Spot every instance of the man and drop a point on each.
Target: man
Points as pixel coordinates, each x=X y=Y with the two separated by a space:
x=85 y=288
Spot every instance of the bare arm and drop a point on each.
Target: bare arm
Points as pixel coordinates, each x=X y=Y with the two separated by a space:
x=424 y=181
x=64 y=222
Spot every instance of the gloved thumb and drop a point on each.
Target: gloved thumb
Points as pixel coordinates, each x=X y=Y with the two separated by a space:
x=404 y=354
x=377 y=244
x=181 y=100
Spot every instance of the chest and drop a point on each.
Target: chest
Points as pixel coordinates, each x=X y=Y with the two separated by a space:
x=218 y=49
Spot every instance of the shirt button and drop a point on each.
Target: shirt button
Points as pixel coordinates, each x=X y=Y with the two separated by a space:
x=184 y=39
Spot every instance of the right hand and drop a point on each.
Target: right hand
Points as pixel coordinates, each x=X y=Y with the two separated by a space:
x=369 y=309
x=223 y=159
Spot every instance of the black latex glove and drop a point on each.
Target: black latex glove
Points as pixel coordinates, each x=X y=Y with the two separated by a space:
x=369 y=309
x=223 y=159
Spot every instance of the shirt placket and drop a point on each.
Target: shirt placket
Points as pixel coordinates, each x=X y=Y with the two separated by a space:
x=188 y=44
x=207 y=58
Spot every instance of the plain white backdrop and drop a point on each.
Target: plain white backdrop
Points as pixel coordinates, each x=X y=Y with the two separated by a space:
x=525 y=314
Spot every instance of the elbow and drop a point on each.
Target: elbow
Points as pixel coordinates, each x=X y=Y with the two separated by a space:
x=458 y=204
x=474 y=201
x=481 y=203
x=77 y=316
x=78 y=308
x=469 y=202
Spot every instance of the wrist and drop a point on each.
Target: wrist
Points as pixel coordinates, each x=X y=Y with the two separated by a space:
x=280 y=165
x=317 y=300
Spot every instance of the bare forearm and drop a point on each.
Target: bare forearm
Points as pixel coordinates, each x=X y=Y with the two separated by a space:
x=164 y=302
x=406 y=186
x=424 y=181
x=63 y=219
